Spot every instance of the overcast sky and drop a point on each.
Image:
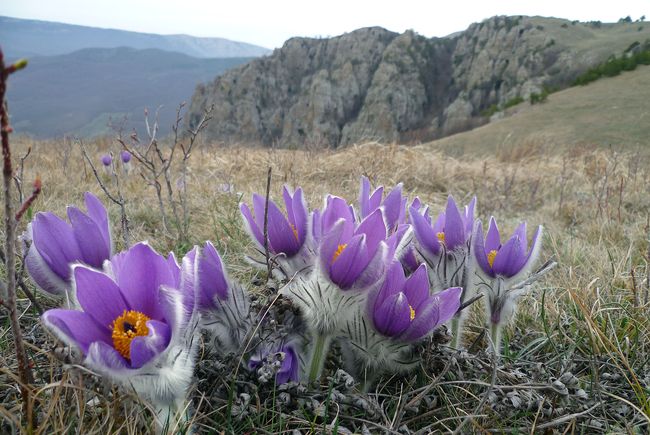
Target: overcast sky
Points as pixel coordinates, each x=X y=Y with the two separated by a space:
x=270 y=23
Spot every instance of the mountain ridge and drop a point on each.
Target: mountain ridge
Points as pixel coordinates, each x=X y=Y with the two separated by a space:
x=27 y=38
x=373 y=84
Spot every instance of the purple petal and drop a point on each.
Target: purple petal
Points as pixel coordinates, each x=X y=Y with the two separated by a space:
x=479 y=250
x=425 y=235
x=350 y=263
x=393 y=316
x=94 y=249
x=76 y=328
x=337 y=208
x=510 y=259
x=99 y=296
x=393 y=206
x=213 y=282
x=535 y=244
x=375 y=269
x=174 y=268
x=416 y=287
x=290 y=366
x=143 y=349
x=42 y=275
x=140 y=275
x=104 y=357
x=374 y=228
x=493 y=238
x=364 y=196
x=436 y=311
x=259 y=205
x=281 y=236
x=97 y=212
x=56 y=243
x=251 y=225
x=299 y=215
x=329 y=243
x=448 y=302
x=454 y=225
x=521 y=233
x=188 y=282
x=469 y=216
x=393 y=283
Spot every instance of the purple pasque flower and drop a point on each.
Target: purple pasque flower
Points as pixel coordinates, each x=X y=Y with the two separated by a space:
x=281 y=364
x=107 y=159
x=351 y=260
x=131 y=323
x=509 y=259
x=224 y=304
x=404 y=309
x=287 y=233
x=125 y=156
x=394 y=204
x=350 y=254
x=56 y=244
x=450 y=231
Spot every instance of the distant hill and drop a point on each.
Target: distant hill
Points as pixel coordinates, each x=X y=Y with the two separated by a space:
x=28 y=38
x=373 y=84
x=78 y=92
x=611 y=111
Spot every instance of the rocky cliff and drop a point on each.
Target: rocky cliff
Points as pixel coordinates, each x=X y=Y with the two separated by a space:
x=373 y=84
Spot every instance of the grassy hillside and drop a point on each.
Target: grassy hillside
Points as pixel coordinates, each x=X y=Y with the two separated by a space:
x=611 y=111
x=77 y=93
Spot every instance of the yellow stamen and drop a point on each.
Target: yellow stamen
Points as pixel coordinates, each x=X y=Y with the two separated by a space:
x=412 y=312
x=295 y=231
x=491 y=256
x=338 y=252
x=441 y=237
x=125 y=328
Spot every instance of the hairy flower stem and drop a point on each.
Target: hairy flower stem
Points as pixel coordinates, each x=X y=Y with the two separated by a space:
x=457 y=331
x=24 y=370
x=321 y=346
x=495 y=339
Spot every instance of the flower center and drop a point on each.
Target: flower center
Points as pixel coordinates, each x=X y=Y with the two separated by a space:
x=125 y=328
x=412 y=313
x=441 y=237
x=338 y=252
x=491 y=256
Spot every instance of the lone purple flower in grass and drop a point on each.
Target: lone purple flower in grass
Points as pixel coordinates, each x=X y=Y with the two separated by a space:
x=504 y=271
x=287 y=233
x=132 y=323
x=405 y=310
x=107 y=160
x=126 y=160
x=56 y=244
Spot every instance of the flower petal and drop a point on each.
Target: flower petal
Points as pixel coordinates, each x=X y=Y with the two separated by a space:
x=56 y=243
x=374 y=227
x=143 y=349
x=97 y=213
x=424 y=234
x=140 y=276
x=41 y=273
x=93 y=246
x=479 y=249
x=416 y=287
x=510 y=259
x=75 y=328
x=493 y=238
x=99 y=296
x=281 y=236
x=393 y=207
x=350 y=263
x=337 y=208
x=250 y=225
x=454 y=225
x=300 y=215
x=393 y=316
x=212 y=279
x=105 y=359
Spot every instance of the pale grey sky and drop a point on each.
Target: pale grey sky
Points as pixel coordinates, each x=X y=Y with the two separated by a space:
x=270 y=23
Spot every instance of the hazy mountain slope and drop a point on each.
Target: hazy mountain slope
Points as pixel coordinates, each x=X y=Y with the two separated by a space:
x=77 y=92
x=27 y=38
x=611 y=111
x=372 y=84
